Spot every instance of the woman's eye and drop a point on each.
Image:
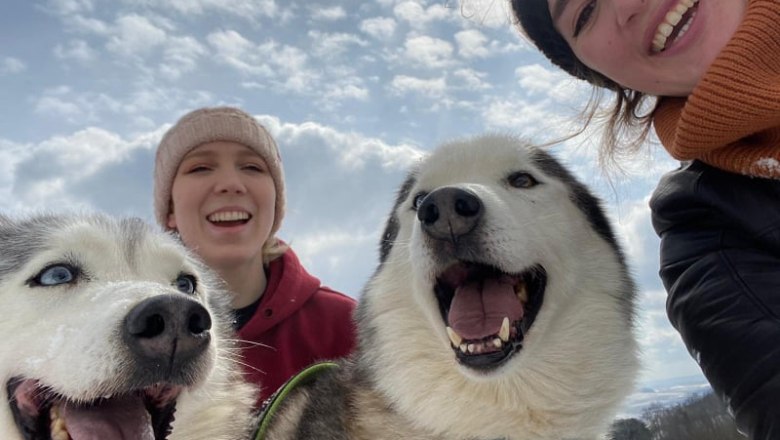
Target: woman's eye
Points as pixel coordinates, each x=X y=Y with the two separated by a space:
x=252 y=167
x=584 y=16
x=197 y=169
x=185 y=283
x=55 y=275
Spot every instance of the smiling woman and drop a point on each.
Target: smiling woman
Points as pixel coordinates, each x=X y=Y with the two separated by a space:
x=219 y=185
x=714 y=66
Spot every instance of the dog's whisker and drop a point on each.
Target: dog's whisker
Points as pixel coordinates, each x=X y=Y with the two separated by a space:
x=242 y=343
x=251 y=367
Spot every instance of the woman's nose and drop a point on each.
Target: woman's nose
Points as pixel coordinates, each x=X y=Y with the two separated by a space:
x=627 y=10
x=229 y=181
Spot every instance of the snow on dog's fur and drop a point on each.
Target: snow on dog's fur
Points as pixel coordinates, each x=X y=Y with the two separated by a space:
x=112 y=330
x=502 y=308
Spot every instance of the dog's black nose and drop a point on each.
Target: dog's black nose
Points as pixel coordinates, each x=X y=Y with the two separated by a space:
x=166 y=331
x=448 y=213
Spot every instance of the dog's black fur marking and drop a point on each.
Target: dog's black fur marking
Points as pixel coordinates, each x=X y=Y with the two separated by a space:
x=391 y=228
x=317 y=419
x=591 y=206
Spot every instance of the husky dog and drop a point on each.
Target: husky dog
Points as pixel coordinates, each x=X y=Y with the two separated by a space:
x=502 y=308
x=113 y=331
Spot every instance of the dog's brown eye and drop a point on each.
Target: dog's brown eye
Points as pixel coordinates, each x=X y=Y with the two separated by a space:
x=522 y=179
x=186 y=283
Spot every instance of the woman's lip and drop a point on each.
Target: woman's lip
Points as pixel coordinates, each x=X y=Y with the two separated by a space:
x=660 y=16
x=681 y=43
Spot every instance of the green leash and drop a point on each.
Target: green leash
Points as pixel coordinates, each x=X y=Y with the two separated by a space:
x=303 y=377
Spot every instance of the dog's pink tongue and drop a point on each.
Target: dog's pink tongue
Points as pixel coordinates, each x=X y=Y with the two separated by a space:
x=478 y=308
x=117 y=419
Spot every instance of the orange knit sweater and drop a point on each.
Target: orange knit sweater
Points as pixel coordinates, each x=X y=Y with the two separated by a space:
x=732 y=119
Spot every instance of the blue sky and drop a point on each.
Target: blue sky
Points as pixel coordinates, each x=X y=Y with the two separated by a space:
x=354 y=92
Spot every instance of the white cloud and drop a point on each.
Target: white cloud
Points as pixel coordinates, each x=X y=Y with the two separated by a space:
x=135 y=34
x=471 y=44
x=471 y=79
x=12 y=65
x=181 y=55
x=238 y=52
x=330 y=45
x=283 y=65
x=340 y=92
x=328 y=14
x=428 y=52
x=432 y=88
x=381 y=28
x=78 y=50
x=535 y=78
x=87 y=25
x=55 y=106
x=286 y=65
x=250 y=9
x=328 y=245
x=68 y=7
x=43 y=177
x=531 y=119
x=418 y=16
x=636 y=233
x=354 y=150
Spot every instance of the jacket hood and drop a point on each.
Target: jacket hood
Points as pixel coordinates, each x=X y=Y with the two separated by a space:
x=289 y=287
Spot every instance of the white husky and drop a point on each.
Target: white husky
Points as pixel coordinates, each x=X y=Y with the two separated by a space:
x=502 y=308
x=112 y=331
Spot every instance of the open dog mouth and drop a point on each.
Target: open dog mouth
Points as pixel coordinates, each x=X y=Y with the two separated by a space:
x=488 y=312
x=40 y=414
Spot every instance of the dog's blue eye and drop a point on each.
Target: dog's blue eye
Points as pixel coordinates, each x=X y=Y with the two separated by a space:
x=521 y=179
x=55 y=275
x=185 y=283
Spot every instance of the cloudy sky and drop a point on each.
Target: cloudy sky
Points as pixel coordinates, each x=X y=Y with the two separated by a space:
x=354 y=92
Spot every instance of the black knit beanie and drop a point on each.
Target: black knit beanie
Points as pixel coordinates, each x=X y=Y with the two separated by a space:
x=535 y=20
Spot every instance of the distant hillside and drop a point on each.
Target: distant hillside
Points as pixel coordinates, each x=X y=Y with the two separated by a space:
x=700 y=417
x=663 y=393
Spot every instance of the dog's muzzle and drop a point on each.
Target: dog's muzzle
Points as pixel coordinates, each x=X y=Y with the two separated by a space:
x=165 y=337
x=487 y=312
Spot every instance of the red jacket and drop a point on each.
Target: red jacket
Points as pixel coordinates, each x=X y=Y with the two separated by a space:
x=298 y=322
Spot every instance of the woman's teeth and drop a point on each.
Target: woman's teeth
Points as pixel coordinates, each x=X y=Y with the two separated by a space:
x=671 y=20
x=231 y=216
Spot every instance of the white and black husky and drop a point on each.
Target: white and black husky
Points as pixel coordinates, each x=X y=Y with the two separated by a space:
x=112 y=331
x=502 y=308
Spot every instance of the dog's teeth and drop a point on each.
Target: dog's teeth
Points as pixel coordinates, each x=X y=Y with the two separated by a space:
x=472 y=347
x=497 y=343
x=504 y=332
x=522 y=293
x=454 y=337
x=57 y=426
x=463 y=348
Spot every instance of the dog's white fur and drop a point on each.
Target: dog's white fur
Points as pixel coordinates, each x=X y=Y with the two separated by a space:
x=67 y=336
x=579 y=358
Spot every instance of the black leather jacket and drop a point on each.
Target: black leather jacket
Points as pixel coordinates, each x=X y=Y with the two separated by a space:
x=720 y=264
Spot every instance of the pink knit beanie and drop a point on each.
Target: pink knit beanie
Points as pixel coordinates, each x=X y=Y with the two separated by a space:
x=209 y=125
